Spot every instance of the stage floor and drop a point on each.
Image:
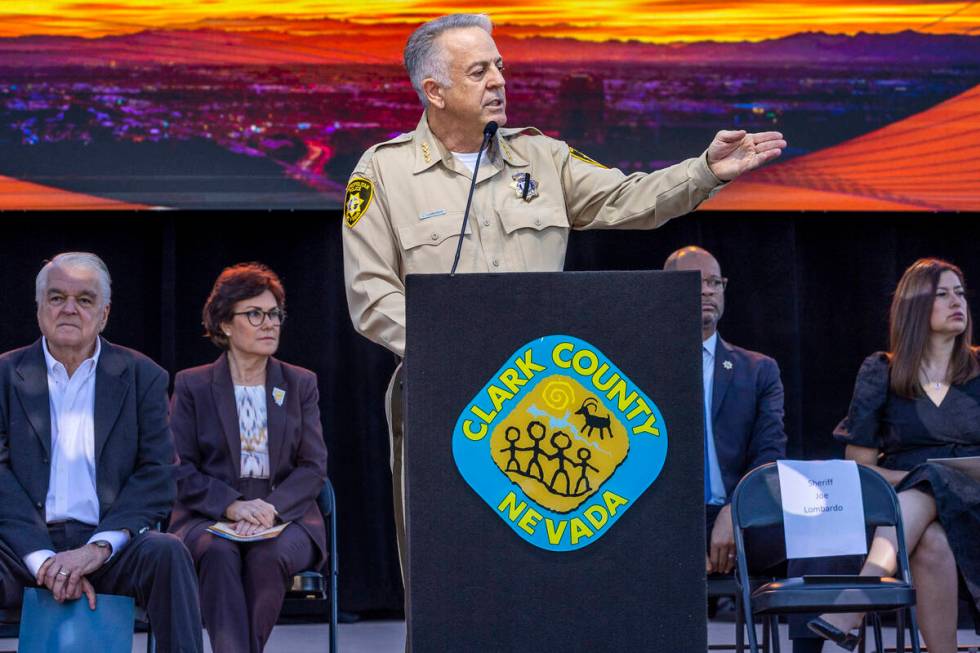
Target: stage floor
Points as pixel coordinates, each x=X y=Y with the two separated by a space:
x=389 y=636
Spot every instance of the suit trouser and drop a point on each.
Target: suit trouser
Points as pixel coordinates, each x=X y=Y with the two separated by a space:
x=243 y=585
x=154 y=568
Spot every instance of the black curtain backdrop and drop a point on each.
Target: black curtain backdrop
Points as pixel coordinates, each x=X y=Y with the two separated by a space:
x=811 y=290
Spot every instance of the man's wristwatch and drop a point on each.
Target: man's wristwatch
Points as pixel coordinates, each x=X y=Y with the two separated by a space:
x=105 y=546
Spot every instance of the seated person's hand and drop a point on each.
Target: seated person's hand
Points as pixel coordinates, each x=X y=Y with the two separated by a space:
x=721 y=544
x=245 y=528
x=256 y=511
x=64 y=573
x=83 y=588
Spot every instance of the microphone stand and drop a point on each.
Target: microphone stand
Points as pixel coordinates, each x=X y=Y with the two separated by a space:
x=488 y=133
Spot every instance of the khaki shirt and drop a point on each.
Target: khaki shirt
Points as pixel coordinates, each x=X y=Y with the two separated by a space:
x=405 y=201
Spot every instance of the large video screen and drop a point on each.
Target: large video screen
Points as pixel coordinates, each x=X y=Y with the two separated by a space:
x=262 y=104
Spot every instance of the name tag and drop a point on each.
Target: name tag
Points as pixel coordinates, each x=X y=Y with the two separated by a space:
x=432 y=214
x=823 y=513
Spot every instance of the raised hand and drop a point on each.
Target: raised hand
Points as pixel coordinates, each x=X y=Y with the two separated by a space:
x=733 y=153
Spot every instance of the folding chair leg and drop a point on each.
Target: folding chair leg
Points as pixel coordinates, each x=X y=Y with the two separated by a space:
x=765 y=634
x=879 y=638
x=334 y=567
x=739 y=625
x=750 y=627
x=913 y=631
x=900 y=632
x=774 y=626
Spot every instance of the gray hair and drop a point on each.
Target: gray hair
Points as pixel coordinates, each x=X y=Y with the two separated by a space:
x=422 y=57
x=84 y=260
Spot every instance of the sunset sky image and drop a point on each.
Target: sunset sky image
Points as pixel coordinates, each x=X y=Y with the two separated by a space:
x=230 y=103
x=653 y=21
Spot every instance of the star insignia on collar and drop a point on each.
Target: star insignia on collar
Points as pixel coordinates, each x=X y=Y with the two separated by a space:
x=727 y=365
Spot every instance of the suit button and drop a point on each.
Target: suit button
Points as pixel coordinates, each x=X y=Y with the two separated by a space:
x=39 y=505
x=45 y=460
x=486 y=223
x=496 y=263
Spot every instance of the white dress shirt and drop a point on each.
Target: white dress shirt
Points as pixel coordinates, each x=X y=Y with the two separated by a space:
x=71 y=487
x=708 y=373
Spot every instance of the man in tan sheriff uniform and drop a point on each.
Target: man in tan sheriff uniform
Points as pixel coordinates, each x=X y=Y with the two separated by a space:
x=404 y=204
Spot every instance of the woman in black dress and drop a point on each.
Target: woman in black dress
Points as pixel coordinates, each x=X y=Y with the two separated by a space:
x=920 y=401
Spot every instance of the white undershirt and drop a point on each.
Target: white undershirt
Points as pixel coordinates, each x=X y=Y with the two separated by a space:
x=468 y=159
x=71 y=485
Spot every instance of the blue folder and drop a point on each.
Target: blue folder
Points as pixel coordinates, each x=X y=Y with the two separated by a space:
x=47 y=626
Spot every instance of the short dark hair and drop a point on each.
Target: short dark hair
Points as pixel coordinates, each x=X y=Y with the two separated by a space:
x=235 y=283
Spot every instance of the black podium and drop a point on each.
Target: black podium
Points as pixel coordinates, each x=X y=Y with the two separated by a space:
x=554 y=462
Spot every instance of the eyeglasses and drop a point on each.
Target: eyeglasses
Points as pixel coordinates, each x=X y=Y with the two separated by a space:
x=257 y=316
x=716 y=284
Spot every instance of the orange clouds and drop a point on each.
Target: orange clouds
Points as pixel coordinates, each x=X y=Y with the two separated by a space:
x=656 y=21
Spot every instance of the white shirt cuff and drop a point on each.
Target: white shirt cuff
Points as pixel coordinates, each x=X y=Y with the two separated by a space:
x=117 y=539
x=35 y=559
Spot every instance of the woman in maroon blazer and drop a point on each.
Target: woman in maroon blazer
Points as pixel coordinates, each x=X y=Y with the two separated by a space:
x=251 y=453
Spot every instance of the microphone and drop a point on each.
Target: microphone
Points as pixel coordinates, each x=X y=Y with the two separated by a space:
x=488 y=133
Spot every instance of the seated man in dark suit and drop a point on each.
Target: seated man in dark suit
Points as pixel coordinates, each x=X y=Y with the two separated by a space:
x=87 y=463
x=743 y=418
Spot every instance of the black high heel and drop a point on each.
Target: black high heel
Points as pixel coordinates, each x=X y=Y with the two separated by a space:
x=831 y=632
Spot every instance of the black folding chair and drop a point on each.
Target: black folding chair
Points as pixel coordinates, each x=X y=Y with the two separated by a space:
x=312 y=583
x=756 y=503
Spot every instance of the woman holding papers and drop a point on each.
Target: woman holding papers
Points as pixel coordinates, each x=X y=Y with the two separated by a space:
x=252 y=462
x=918 y=403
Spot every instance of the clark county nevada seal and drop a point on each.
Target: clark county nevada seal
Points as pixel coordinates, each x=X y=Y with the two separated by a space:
x=560 y=443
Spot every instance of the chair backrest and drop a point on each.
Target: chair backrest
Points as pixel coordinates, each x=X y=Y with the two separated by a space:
x=756 y=501
x=325 y=500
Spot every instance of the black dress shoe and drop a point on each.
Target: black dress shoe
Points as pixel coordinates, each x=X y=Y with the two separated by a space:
x=830 y=632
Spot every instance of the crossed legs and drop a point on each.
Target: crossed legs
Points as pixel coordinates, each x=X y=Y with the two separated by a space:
x=933 y=570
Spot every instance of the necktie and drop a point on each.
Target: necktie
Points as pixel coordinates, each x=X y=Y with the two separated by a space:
x=706 y=360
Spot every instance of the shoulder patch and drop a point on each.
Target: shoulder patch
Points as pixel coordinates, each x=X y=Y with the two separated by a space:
x=360 y=191
x=585 y=158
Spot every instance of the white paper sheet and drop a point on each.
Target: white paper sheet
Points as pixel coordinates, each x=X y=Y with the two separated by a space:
x=823 y=514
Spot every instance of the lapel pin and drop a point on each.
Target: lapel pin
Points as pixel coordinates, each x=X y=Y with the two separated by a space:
x=727 y=365
x=278 y=394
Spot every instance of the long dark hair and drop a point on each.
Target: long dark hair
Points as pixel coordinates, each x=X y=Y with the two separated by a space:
x=909 y=329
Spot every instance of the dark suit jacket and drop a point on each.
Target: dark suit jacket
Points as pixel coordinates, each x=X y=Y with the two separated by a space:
x=204 y=419
x=134 y=451
x=746 y=412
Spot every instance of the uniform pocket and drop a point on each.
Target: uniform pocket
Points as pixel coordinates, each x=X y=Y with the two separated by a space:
x=533 y=217
x=432 y=231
